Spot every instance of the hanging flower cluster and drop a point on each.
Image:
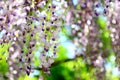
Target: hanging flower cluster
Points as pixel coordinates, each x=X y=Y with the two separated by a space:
x=29 y=27
x=95 y=28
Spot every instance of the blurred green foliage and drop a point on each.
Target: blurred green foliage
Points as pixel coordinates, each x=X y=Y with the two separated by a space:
x=3 y=56
x=105 y=33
